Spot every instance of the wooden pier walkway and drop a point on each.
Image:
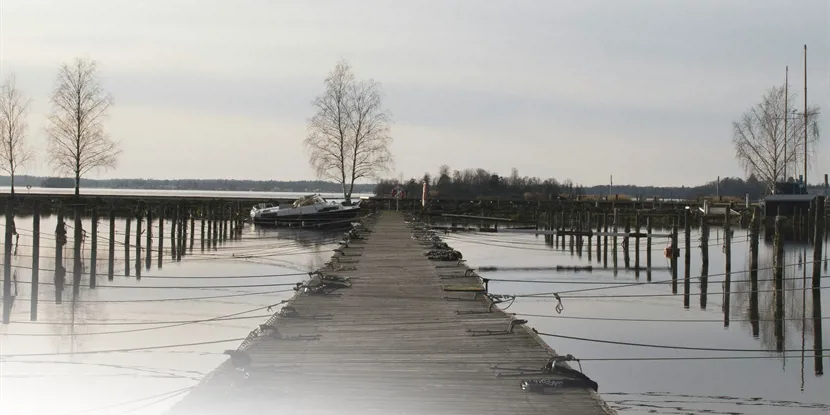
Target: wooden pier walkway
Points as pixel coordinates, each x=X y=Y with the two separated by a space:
x=389 y=344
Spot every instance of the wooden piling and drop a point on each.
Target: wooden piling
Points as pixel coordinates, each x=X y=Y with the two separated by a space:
x=7 y=261
x=704 y=263
x=138 y=218
x=625 y=245
x=35 y=260
x=215 y=227
x=818 y=241
x=600 y=219
x=127 y=233
x=727 y=278
x=148 y=241
x=648 y=248
x=687 y=258
x=93 y=255
x=637 y=242
x=778 y=283
x=174 y=220
x=162 y=214
x=192 y=228
x=111 y=257
x=754 y=237
x=225 y=223
x=183 y=240
x=590 y=236
x=202 y=214
x=180 y=221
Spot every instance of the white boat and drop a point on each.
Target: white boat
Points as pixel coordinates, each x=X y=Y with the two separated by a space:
x=310 y=210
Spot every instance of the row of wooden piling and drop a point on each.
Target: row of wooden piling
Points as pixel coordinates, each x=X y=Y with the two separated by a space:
x=218 y=222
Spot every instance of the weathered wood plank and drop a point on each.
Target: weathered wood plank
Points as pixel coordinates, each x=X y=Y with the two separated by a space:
x=390 y=343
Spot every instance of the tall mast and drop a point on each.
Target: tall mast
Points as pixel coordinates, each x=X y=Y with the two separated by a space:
x=786 y=115
x=805 y=116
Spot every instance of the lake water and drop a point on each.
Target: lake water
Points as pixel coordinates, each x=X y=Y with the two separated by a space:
x=23 y=191
x=634 y=380
x=73 y=360
x=68 y=374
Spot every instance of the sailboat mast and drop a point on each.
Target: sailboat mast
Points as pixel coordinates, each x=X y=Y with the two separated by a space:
x=786 y=115
x=805 y=117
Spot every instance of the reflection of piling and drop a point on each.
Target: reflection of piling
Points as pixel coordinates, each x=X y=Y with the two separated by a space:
x=93 y=255
x=111 y=257
x=673 y=255
x=605 y=241
x=232 y=222
x=7 y=262
x=590 y=237
x=225 y=223
x=60 y=271
x=180 y=230
x=183 y=238
x=637 y=242
x=778 y=281
x=600 y=221
x=648 y=248
x=754 y=237
x=215 y=218
x=35 y=259
x=77 y=267
x=818 y=240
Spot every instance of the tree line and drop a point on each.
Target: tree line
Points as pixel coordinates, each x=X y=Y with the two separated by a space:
x=77 y=140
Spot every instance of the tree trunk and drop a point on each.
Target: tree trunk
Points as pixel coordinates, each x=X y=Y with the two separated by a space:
x=77 y=184
x=12 y=177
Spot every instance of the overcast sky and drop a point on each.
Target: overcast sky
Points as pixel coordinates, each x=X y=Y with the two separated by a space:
x=645 y=90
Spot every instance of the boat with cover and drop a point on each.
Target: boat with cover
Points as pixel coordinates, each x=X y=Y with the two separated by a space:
x=307 y=210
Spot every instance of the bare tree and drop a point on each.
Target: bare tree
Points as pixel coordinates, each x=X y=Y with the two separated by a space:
x=78 y=143
x=759 y=138
x=348 y=136
x=14 y=150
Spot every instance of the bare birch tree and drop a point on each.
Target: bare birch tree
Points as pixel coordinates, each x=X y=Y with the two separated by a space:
x=759 y=138
x=14 y=150
x=78 y=143
x=348 y=136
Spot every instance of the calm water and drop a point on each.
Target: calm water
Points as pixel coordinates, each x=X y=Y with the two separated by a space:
x=756 y=381
x=71 y=376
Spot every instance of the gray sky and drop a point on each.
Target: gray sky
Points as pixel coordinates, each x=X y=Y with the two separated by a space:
x=645 y=90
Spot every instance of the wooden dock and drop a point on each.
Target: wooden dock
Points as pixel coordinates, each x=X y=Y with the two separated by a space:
x=391 y=343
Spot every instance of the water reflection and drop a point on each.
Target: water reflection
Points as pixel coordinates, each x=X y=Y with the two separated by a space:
x=124 y=312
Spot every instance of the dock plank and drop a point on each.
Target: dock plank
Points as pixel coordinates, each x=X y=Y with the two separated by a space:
x=390 y=343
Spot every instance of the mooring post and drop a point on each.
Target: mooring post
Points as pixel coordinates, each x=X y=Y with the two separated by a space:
x=216 y=214
x=111 y=258
x=625 y=244
x=562 y=227
x=192 y=227
x=180 y=229
x=148 y=242
x=7 y=261
x=637 y=242
x=687 y=258
x=127 y=233
x=77 y=267
x=605 y=240
x=138 y=217
x=183 y=242
x=754 y=237
x=674 y=254
x=35 y=259
x=648 y=248
x=590 y=231
x=225 y=220
x=231 y=221
x=93 y=255
x=818 y=240
x=704 y=262
x=60 y=271
x=600 y=220
x=202 y=214
x=727 y=280
x=162 y=214
x=174 y=220
x=778 y=283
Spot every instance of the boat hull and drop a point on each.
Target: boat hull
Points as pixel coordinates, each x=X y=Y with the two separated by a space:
x=334 y=218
